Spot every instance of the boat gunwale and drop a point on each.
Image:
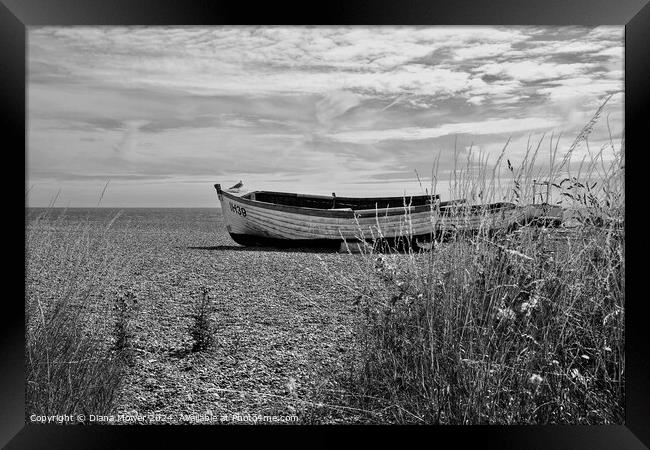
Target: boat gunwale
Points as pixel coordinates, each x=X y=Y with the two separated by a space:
x=352 y=214
x=331 y=197
x=333 y=213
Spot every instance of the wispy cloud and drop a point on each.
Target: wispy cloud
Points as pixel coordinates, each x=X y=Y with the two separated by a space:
x=486 y=127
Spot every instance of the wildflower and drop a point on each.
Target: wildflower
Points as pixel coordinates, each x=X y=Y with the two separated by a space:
x=506 y=314
x=382 y=266
x=535 y=379
x=575 y=374
x=528 y=307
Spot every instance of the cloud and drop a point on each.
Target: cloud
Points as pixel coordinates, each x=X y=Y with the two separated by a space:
x=129 y=139
x=615 y=52
x=335 y=104
x=481 y=51
x=274 y=59
x=533 y=70
x=486 y=127
x=581 y=87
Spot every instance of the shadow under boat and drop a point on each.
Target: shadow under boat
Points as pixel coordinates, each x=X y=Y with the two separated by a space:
x=268 y=248
x=424 y=242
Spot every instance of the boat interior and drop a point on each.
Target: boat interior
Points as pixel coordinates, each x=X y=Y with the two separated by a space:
x=334 y=202
x=368 y=203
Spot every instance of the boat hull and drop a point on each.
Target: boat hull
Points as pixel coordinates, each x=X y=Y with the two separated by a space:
x=251 y=222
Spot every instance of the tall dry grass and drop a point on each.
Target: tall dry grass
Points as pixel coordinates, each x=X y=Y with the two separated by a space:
x=523 y=327
x=76 y=329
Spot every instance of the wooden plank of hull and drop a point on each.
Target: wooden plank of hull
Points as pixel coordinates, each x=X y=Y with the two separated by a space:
x=246 y=219
x=308 y=231
x=419 y=223
x=286 y=226
x=363 y=217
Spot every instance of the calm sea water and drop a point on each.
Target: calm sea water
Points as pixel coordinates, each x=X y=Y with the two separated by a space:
x=200 y=218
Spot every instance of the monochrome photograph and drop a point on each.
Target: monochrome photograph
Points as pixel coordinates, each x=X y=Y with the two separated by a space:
x=316 y=225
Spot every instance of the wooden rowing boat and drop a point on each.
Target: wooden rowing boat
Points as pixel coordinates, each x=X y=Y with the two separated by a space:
x=281 y=218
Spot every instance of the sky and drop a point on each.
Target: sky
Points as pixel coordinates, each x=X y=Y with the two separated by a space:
x=163 y=113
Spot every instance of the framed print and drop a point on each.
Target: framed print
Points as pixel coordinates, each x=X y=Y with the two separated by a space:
x=395 y=215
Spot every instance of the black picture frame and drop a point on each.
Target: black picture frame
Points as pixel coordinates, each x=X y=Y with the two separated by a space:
x=16 y=15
